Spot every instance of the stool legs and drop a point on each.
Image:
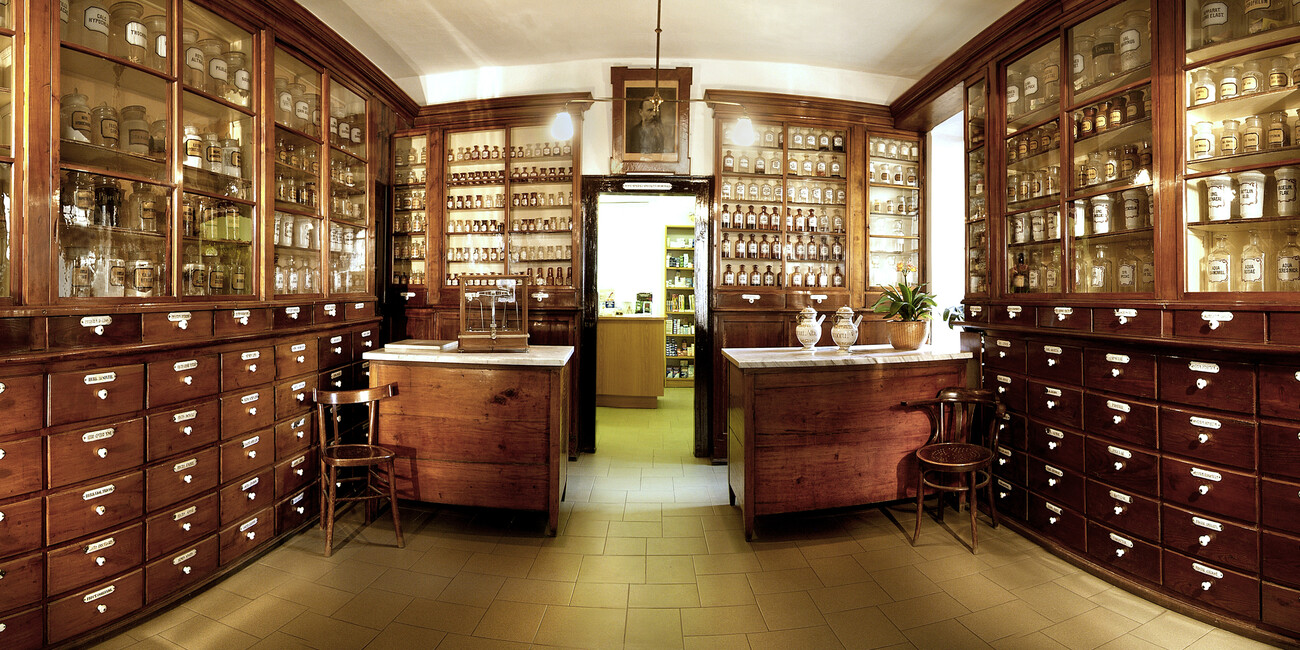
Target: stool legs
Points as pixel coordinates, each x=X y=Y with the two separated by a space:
x=993 y=503
x=392 y=502
x=970 y=504
x=920 y=499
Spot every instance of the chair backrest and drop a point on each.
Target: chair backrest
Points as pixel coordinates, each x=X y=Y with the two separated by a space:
x=963 y=415
x=329 y=401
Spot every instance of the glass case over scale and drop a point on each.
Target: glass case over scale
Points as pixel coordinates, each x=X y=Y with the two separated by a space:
x=409 y=245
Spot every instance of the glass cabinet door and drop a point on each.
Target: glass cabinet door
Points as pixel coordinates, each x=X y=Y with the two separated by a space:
x=475 y=204
x=817 y=195
x=410 y=241
x=7 y=54
x=976 y=190
x=349 y=184
x=894 y=226
x=753 y=194
x=298 y=227
x=541 y=207
x=1033 y=173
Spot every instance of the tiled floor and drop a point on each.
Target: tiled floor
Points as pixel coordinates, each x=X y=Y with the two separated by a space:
x=650 y=555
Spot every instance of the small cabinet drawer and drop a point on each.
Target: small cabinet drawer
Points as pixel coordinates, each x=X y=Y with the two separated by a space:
x=363 y=341
x=246 y=410
x=293 y=434
x=182 y=478
x=1010 y=464
x=1055 y=446
x=22 y=400
x=1208 y=436
x=1063 y=363
x=1279 y=391
x=296 y=510
x=1004 y=353
x=1127 y=373
x=24 y=583
x=1218 y=385
x=1062 y=406
x=1123 y=510
x=1012 y=500
x=329 y=312
x=1280 y=557
x=751 y=300
x=1012 y=315
x=1279 y=449
x=1132 y=322
x=1220 y=325
x=1211 y=586
x=87 y=452
x=359 y=310
x=977 y=314
x=247 y=534
x=183 y=379
x=1058 y=522
x=77 y=565
x=337 y=379
x=1121 y=419
x=1070 y=318
x=1282 y=607
x=1010 y=389
x=21 y=525
x=1211 y=539
x=93 y=331
x=84 y=510
x=335 y=350
x=294 y=473
x=1013 y=431
x=245 y=496
x=95 y=606
x=24 y=630
x=92 y=394
x=183 y=428
x=288 y=316
x=232 y=322
x=1280 y=505
x=247 y=453
x=293 y=396
x=295 y=358
x=22 y=464
x=165 y=327
x=181 y=569
x=245 y=368
x=362 y=376
x=1208 y=488
x=1124 y=552
x=181 y=525
x=1057 y=484
x=1123 y=466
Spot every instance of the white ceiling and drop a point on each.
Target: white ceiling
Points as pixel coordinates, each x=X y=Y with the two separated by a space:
x=411 y=40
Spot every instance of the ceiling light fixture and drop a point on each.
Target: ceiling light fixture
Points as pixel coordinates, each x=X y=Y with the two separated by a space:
x=742 y=133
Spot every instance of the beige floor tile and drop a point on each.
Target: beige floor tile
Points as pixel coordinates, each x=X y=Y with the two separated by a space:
x=163 y=621
x=888 y=558
x=1084 y=584
x=663 y=596
x=976 y=592
x=399 y=636
x=683 y=527
x=1172 y=631
x=838 y=570
x=437 y=615
x=735 y=619
x=551 y=565
x=1128 y=605
x=667 y=569
x=410 y=583
x=1014 y=618
x=498 y=565
x=716 y=642
x=828 y=548
x=846 y=597
x=905 y=582
x=728 y=521
x=203 y=633
x=303 y=564
x=509 y=621
x=605 y=568
x=127 y=640
x=374 y=608
x=462 y=642
x=255 y=580
x=626 y=546
x=1054 y=601
x=597 y=594
x=278 y=641
x=726 y=563
x=676 y=546
x=789 y=610
x=771 y=582
x=1224 y=640
x=726 y=541
x=351 y=576
x=1031 y=641
x=923 y=610
x=1018 y=575
x=778 y=559
x=263 y=615
x=326 y=632
x=584 y=526
x=810 y=637
x=473 y=589
x=953 y=566
x=864 y=628
x=642 y=512
x=1090 y=629
x=582 y=627
x=1128 y=642
x=635 y=529
x=945 y=634
x=724 y=589
x=653 y=628
x=579 y=545
x=441 y=561
x=216 y=602
x=542 y=592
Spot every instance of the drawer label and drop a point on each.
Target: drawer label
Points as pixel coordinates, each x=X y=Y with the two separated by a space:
x=1117 y=358
x=1120 y=496
x=185 y=464
x=185 y=416
x=1201 y=568
x=1205 y=423
x=1063 y=311
x=298 y=386
x=1121 y=540
x=300 y=347
x=252 y=441
x=248 y=524
x=1003 y=343
x=182 y=366
x=1206 y=523
x=100 y=545
x=102 y=434
x=360 y=305
x=100 y=378
x=976 y=310
x=177 y=516
x=1119 y=451
x=100 y=593
x=1003 y=379
x=1055 y=433
x=1004 y=485
x=96 y=321
x=250 y=398
x=337 y=374
x=1206 y=474
x=1202 y=366
x=336 y=339
x=1012 y=310
x=298 y=423
x=249 y=483
x=1051 y=349
x=98 y=492
x=298 y=499
x=298 y=461
x=1054 y=392
x=293 y=311
x=179 y=316
x=1117 y=406
x=1216 y=316
x=1053 y=471
x=365 y=334
x=1126 y=313
x=241 y=313
x=1052 y=508
x=184 y=557
x=1004 y=451
x=249 y=356
x=331 y=309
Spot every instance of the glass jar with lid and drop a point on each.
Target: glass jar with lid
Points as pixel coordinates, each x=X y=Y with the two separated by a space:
x=193 y=146
x=158 y=138
x=241 y=80
x=216 y=71
x=89 y=24
x=104 y=129
x=300 y=117
x=232 y=158
x=137 y=129
x=75 y=117
x=141 y=273
x=312 y=121
x=142 y=208
x=283 y=101
x=195 y=71
x=156 y=28
x=212 y=160
x=128 y=37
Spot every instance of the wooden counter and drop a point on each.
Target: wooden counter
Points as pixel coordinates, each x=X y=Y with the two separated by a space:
x=629 y=361
x=478 y=429
x=824 y=429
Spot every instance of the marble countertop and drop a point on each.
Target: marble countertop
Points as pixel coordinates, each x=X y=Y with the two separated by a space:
x=858 y=355
x=537 y=355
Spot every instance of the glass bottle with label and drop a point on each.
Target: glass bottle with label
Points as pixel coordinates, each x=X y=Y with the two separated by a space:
x=1229 y=138
x=1134 y=48
x=1032 y=88
x=194 y=71
x=1101 y=278
x=1252 y=78
x=127 y=34
x=1015 y=80
x=1035 y=272
x=240 y=78
x=1252 y=138
x=1288 y=264
x=1204 y=90
x=1052 y=273
x=156 y=26
x=1203 y=145
x=1252 y=265
x=89 y=24
x=1081 y=60
x=1218 y=265
x=1265 y=15
x=1216 y=23
x=1277 y=136
x=1127 y=273
x=1105 y=58
x=1279 y=73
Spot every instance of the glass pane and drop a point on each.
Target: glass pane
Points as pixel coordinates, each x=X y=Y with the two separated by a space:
x=112 y=117
x=1034 y=87
x=121 y=29
x=1034 y=167
x=894 y=260
x=977 y=256
x=297 y=253
x=976 y=110
x=1113 y=142
x=6 y=227
x=1033 y=224
x=1215 y=27
x=347 y=120
x=218 y=56
x=476 y=204
x=1237 y=115
x=218 y=148
x=347 y=259
x=297 y=94
x=1241 y=231
x=816 y=196
x=297 y=168
x=216 y=246
x=750 y=218
x=6 y=94
x=112 y=237
x=410 y=160
x=541 y=206
x=348 y=188
x=1111 y=49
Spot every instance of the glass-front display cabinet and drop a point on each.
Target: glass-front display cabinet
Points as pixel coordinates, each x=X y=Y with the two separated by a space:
x=475 y=222
x=894 y=197
x=349 y=183
x=977 y=264
x=7 y=68
x=409 y=246
x=298 y=227
x=1032 y=147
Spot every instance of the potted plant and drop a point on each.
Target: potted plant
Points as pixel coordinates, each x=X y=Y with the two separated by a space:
x=907 y=310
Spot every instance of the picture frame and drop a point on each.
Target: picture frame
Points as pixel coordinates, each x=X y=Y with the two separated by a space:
x=644 y=140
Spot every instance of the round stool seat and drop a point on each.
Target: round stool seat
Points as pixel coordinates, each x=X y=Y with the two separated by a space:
x=954 y=456
x=355 y=454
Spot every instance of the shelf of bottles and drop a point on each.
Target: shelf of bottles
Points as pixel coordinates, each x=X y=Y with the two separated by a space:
x=1243 y=153
x=679 y=306
x=7 y=66
x=894 y=222
x=409 y=245
x=784 y=201
x=977 y=269
x=298 y=227
x=349 y=185
x=475 y=224
x=1033 y=168
x=541 y=206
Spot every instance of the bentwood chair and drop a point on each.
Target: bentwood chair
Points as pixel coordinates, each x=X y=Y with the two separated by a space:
x=371 y=457
x=958 y=457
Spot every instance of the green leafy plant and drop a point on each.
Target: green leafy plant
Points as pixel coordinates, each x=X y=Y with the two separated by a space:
x=953 y=315
x=905 y=302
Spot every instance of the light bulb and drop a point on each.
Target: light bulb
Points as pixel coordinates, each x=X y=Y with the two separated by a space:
x=743 y=133
x=562 y=127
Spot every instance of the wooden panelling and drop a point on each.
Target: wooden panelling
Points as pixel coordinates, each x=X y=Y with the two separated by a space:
x=334 y=350
x=182 y=379
x=1010 y=388
x=1012 y=500
x=492 y=485
x=1011 y=464
x=1280 y=505
x=766 y=301
x=1057 y=521
x=296 y=510
x=1053 y=362
x=247 y=453
x=1055 y=446
x=23 y=526
x=366 y=340
x=1056 y=403
x=630 y=357
x=293 y=435
x=85 y=453
x=1281 y=607
x=293 y=396
x=1004 y=353
x=22 y=400
x=359 y=310
x=101 y=557
x=294 y=473
x=1057 y=484
x=291 y=316
x=295 y=358
x=1279 y=449
x=23 y=630
x=1280 y=557
x=1069 y=318
x=91 y=394
x=24 y=583
x=1279 y=391
x=328 y=312
x=1126 y=467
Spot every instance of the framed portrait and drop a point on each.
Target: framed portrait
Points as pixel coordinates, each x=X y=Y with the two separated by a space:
x=649 y=138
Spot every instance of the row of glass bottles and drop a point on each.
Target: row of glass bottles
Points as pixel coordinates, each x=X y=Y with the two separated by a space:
x=347 y=206
x=304 y=157
x=296 y=107
x=895 y=149
x=896 y=205
x=977 y=256
x=541 y=253
x=1035 y=273
x=120 y=30
x=296 y=231
x=1107 y=213
x=1247 y=195
x=540 y=199
x=820 y=165
x=1120 y=110
x=477 y=177
x=1255 y=266
x=410 y=176
x=215 y=67
x=1034 y=226
x=1114 y=165
x=1035 y=86
x=90 y=200
x=774 y=192
x=416 y=154
x=1033 y=184
x=289 y=189
x=534 y=224
x=815 y=276
x=1034 y=141
x=1253 y=134
x=464 y=201
x=795 y=219
x=475 y=226
x=1224 y=20
x=530 y=150
x=1111 y=50
x=475 y=255
x=409 y=250
x=829 y=249
x=412 y=222
x=103 y=126
x=1232 y=81
x=411 y=199
x=894 y=174
x=544 y=175
x=206 y=149
x=412 y=277
x=347 y=259
x=347 y=125
x=209 y=270
x=105 y=270
x=213 y=219
x=1097 y=271
x=296 y=274
x=347 y=173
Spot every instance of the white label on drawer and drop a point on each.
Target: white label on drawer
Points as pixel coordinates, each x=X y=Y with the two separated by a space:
x=249 y=483
x=1120 y=496
x=976 y=310
x=1053 y=471
x=1206 y=474
x=1206 y=523
x=249 y=356
x=1117 y=358
x=185 y=416
x=98 y=492
x=1003 y=379
x=300 y=347
x=185 y=464
x=100 y=378
x=1126 y=313
x=1051 y=349
x=96 y=595
x=1004 y=451
x=1119 y=451
x=251 y=441
x=365 y=334
x=1219 y=316
x=298 y=423
x=1053 y=392
x=296 y=500
x=1014 y=309
x=184 y=513
x=1063 y=311
x=336 y=339
x=184 y=557
x=1202 y=366
x=1201 y=568
x=331 y=309
x=178 y=316
x=182 y=366
x=337 y=374
x=293 y=311
x=298 y=386
x=1121 y=540
x=1055 y=433
x=751 y=297
x=102 y=434
x=1003 y=343
x=100 y=545
x=248 y=524
x=298 y=461
x=96 y=321
x=1117 y=406
x=1005 y=485
x=1205 y=423
x=250 y=398
x=241 y=313
x=1052 y=508
x=359 y=305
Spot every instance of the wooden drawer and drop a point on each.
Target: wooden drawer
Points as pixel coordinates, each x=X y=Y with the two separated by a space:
x=293 y=396
x=977 y=314
x=1209 y=488
x=1126 y=373
x=181 y=525
x=1127 y=321
x=247 y=453
x=1010 y=389
x=295 y=358
x=1220 y=325
x=1012 y=500
x=1211 y=586
x=84 y=453
x=93 y=507
x=95 y=606
x=1014 y=431
x=1058 y=522
x=1124 y=553
x=22 y=525
x=233 y=322
x=93 y=394
x=22 y=466
x=183 y=428
x=1121 y=419
x=362 y=377
x=287 y=316
x=1129 y=512
x=247 y=534
x=93 y=331
x=1279 y=391
x=335 y=350
x=1280 y=505
x=359 y=310
x=1280 y=558
x=364 y=341
x=337 y=379
x=180 y=569
x=1211 y=539
x=166 y=327
x=293 y=435
x=1281 y=607
x=24 y=630
x=296 y=510
x=1004 y=353
x=181 y=478
x=1279 y=449
x=246 y=410
x=1123 y=466
x=1055 y=446
x=1056 y=404
x=329 y=312
x=1070 y=318
x=1010 y=464
x=1208 y=436
x=823 y=302
x=1058 y=363
x=244 y=368
x=750 y=300
x=293 y=474
x=1011 y=315
x=1057 y=484
x=101 y=557
x=24 y=583
x=183 y=379
x=22 y=400
x=247 y=495
x=1220 y=385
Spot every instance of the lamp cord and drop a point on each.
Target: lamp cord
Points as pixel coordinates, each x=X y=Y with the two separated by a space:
x=659 y=18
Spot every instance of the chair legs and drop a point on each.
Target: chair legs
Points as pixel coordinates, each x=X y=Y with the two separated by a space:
x=970 y=505
x=392 y=503
x=972 y=481
x=993 y=503
x=327 y=512
x=920 y=501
